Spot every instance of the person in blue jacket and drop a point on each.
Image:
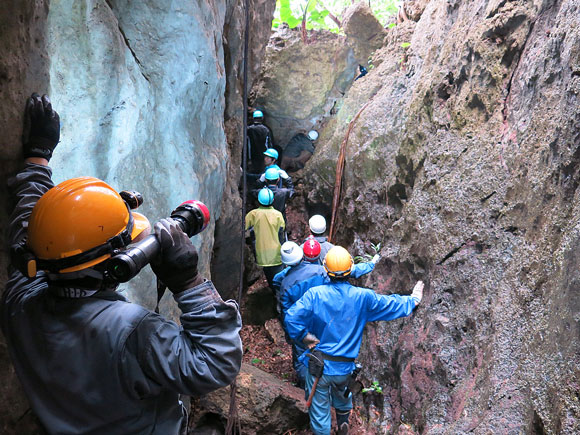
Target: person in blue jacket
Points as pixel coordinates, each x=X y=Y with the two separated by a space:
x=302 y=277
x=90 y=361
x=330 y=319
x=302 y=272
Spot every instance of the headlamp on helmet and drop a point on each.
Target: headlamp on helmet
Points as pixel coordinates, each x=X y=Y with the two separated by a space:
x=78 y=224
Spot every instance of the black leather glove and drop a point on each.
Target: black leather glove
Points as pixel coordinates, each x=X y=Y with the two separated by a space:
x=176 y=265
x=41 y=127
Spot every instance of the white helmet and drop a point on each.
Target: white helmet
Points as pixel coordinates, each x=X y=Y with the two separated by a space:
x=317 y=224
x=312 y=135
x=291 y=253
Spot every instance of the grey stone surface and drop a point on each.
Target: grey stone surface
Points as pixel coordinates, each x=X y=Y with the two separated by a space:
x=300 y=84
x=225 y=265
x=465 y=165
x=265 y=404
x=23 y=69
x=141 y=90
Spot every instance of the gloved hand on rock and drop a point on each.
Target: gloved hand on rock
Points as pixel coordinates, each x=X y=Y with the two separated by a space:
x=41 y=128
x=176 y=265
x=417 y=293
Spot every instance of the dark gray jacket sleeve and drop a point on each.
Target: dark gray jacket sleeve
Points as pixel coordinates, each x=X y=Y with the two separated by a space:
x=202 y=355
x=26 y=187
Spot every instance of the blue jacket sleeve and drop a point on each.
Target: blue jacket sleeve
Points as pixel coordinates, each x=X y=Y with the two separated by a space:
x=294 y=293
x=202 y=355
x=387 y=307
x=297 y=319
x=277 y=280
x=361 y=269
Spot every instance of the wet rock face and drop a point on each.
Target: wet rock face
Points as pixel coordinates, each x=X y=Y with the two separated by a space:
x=141 y=92
x=365 y=34
x=225 y=262
x=465 y=165
x=133 y=84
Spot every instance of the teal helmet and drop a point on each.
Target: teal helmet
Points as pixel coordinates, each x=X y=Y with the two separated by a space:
x=272 y=174
x=257 y=114
x=265 y=196
x=271 y=152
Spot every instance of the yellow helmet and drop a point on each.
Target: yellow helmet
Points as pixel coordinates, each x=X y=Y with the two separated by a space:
x=79 y=223
x=338 y=262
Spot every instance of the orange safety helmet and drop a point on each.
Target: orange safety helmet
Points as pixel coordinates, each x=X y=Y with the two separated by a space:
x=78 y=224
x=338 y=262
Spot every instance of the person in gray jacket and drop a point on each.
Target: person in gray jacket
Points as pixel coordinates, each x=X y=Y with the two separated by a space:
x=89 y=361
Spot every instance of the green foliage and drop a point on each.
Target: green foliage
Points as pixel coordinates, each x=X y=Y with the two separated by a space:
x=257 y=361
x=392 y=25
x=368 y=257
x=370 y=62
x=384 y=9
x=374 y=388
x=317 y=12
x=405 y=44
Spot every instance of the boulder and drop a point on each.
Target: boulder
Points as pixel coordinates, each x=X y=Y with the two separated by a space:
x=364 y=32
x=301 y=83
x=265 y=405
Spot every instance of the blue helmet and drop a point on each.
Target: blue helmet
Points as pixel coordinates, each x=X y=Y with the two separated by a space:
x=272 y=174
x=257 y=114
x=265 y=196
x=271 y=152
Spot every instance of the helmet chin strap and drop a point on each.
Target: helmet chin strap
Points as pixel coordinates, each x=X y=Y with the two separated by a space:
x=91 y=278
x=80 y=274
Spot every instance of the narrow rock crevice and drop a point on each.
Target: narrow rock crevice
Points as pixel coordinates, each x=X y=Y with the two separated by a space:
x=450 y=254
x=127 y=44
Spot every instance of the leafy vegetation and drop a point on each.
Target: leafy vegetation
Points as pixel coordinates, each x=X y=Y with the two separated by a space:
x=368 y=257
x=325 y=14
x=374 y=388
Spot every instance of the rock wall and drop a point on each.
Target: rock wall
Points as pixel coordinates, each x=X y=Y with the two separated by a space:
x=226 y=258
x=23 y=67
x=142 y=89
x=465 y=165
x=300 y=85
x=134 y=84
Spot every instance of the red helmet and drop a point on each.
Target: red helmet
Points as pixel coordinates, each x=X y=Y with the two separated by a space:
x=311 y=249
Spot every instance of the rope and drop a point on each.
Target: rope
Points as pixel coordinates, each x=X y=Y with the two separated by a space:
x=339 y=172
x=234 y=425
